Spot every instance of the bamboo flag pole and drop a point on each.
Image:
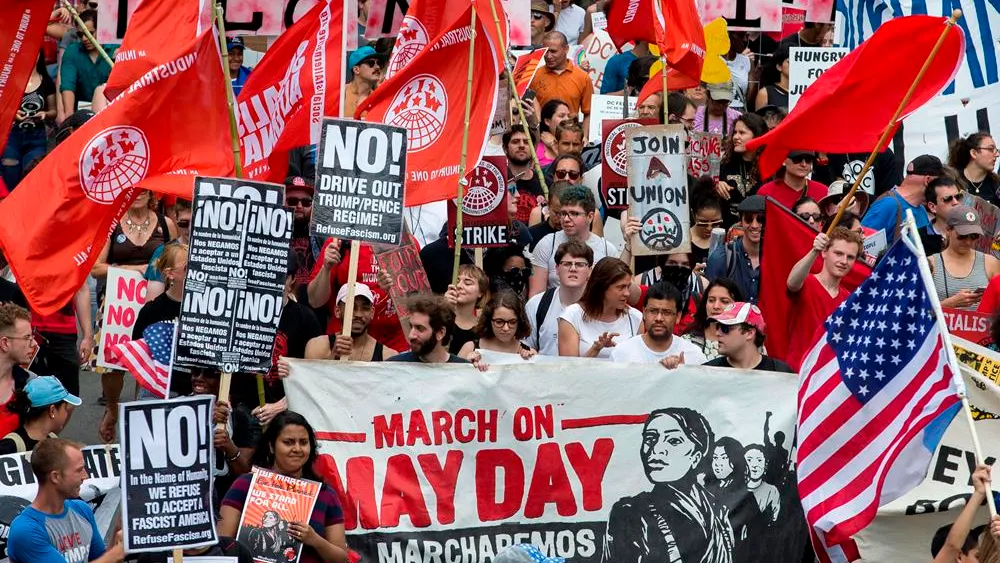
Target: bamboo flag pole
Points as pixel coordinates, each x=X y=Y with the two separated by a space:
x=663 y=72
x=82 y=28
x=892 y=122
x=463 y=165
x=513 y=88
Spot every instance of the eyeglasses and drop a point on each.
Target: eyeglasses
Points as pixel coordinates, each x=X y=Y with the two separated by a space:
x=750 y=218
x=25 y=338
x=536 y=15
x=951 y=198
x=571 y=214
x=973 y=236
x=500 y=323
x=811 y=216
x=689 y=121
x=295 y=201
x=660 y=312
x=712 y=224
x=802 y=158
x=992 y=149
x=571 y=265
x=184 y=224
x=571 y=174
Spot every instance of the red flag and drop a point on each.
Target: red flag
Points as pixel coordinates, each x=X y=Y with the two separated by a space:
x=859 y=80
x=672 y=25
x=787 y=238
x=675 y=81
x=151 y=40
x=54 y=225
x=297 y=82
x=525 y=69
x=427 y=97
x=22 y=27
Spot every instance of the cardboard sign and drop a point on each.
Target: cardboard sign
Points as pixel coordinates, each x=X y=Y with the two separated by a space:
x=743 y=15
x=597 y=49
x=360 y=170
x=125 y=296
x=875 y=243
x=989 y=220
x=272 y=502
x=517 y=453
x=657 y=189
x=805 y=65
x=502 y=114
x=235 y=284
x=408 y=276
x=485 y=214
x=603 y=107
x=614 y=160
x=704 y=153
x=970 y=325
x=167 y=450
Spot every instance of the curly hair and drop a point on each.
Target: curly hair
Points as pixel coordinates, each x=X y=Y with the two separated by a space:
x=506 y=300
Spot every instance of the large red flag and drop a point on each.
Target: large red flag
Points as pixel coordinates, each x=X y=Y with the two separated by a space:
x=156 y=31
x=427 y=97
x=787 y=238
x=675 y=81
x=297 y=82
x=874 y=76
x=672 y=25
x=53 y=226
x=22 y=27
x=425 y=20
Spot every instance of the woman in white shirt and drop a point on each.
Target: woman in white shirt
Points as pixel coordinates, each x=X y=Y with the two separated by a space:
x=603 y=317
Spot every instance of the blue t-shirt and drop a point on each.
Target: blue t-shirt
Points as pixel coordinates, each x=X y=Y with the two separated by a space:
x=69 y=537
x=616 y=71
x=884 y=213
x=240 y=80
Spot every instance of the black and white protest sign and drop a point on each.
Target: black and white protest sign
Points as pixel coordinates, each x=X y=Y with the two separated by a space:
x=805 y=65
x=360 y=169
x=237 y=264
x=657 y=189
x=167 y=474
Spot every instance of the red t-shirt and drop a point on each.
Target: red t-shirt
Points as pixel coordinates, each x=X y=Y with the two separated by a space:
x=991 y=298
x=812 y=305
x=385 y=325
x=787 y=196
x=8 y=420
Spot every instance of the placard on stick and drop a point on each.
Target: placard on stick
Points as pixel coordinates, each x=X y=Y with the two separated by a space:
x=408 y=276
x=704 y=154
x=272 y=502
x=360 y=170
x=485 y=217
x=234 y=289
x=125 y=296
x=805 y=65
x=614 y=161
x=657 y=189
x=167 y=449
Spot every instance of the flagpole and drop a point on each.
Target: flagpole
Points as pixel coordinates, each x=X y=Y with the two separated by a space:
x=463 y=165
x=513 y=88
x=663 y=71
x=892 y=122
x=914 y=243
x=86 y=32
x=234 y=132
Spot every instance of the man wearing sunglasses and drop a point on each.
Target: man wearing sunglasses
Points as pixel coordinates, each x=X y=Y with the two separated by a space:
x=739 y=260
x=365 y=68
x=889 y=210
x=741 y=330
x=299 y=200
x=792 y=181
x=942 y=195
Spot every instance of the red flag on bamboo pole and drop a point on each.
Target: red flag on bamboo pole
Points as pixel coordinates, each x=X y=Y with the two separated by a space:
x=424 y=21
x=875 y=76
x=54 y=225
x=672 y=25
x=427 y=97
x=22 y=28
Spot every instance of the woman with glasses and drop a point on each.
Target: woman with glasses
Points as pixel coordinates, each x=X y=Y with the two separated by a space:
x=502 y=326
x=738 y=173
x=976 y=158
x=808 y=210
x=553 y=113
x=961 y=273
x=603 y=317
x=706 y=214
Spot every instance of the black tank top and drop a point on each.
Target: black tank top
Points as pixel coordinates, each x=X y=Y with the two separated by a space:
x=376 y=351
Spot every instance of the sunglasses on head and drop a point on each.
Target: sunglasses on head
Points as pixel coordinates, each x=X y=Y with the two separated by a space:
x=294 y=201
x=802 y=158
x=571 y=174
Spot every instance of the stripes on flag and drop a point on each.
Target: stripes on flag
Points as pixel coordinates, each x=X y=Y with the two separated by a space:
x=148 y=358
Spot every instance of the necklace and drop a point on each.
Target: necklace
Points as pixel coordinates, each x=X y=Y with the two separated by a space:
x=977 y=187
x=136 y=227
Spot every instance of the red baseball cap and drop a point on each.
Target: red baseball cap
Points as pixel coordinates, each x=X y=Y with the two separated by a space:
x=298 y=183
x=740 y=313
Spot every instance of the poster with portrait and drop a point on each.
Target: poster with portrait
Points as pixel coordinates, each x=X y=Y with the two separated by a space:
x=658 y=190
x=274 y=501
x=628 y=463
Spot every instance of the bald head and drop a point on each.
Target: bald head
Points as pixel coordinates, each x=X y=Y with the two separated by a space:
x=556 y=36
x=558 y=50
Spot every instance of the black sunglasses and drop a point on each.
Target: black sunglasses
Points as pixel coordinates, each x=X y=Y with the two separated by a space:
x=802 y=158
x=563 y=174
x=305 y=201
x=183 y=224
x=950 y=198
x=371 y=63
x=749 y=218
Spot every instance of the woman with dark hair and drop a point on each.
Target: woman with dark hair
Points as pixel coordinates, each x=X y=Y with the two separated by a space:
x=678 y=520
x=43 y=408
x=502 y=326
x=602 y=317
x=27 y=139
x=269 y=540
x=553 y=113
x=288 y=447
x=728 y=483
x=738 y=173
x=975 y=158
x=808 y=210
x=716 y=297
x=776 y=93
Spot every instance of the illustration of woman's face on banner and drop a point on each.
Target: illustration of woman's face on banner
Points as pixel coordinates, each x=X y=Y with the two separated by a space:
x=668 y=453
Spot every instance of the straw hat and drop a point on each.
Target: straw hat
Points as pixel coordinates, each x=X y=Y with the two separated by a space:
x=828 y=205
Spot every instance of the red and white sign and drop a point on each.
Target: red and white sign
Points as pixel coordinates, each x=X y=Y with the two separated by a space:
x=744 y=15
x=970 y=325
x=126 y=294
x=614 y=160
x=704 y=154
x=485 y=213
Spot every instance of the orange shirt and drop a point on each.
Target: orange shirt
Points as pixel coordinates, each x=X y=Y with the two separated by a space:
x=572 y=86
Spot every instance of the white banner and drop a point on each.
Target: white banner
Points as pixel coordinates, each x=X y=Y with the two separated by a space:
x=805 y=65
x=589 y=460
x=126 y=294
x=606 y=107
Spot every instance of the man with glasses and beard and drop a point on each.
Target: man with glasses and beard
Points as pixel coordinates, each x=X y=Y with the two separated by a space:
x=299 y=200
x=792 y=182
x=739 y=260
x=432 y=324
x=517 y=146
x=663 y=306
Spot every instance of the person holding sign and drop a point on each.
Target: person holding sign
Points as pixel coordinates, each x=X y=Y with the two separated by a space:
x=44 y=407
x=288 y=447
x=359 y=346
x=58 y=527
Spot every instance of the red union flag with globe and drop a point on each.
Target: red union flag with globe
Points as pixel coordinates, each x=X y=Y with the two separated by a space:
x=112 y=161
x=421 y=107
x=614 y=159
x=485 y=216
x=411 y=40
x=487 y=187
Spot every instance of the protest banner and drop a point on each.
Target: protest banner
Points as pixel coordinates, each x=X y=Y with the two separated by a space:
x=101 y=489
x=485 y=213
x=604 y=107
x=167 y=454
x=743 y=15
x=597 y=49
x=235 y=283
x=902 y=531
x=704 y=154
x=969 y=325
x=657 y=189
x=805 y=65
x=614 y=160
x=407 y=272
x=125 y=295
x=272 y=502
x=360 y=170
x=875 y=243
x=474 y=464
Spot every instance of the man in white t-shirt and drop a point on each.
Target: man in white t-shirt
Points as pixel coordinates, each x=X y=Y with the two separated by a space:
x=573 y=263
x=664 y=305
x=570 y=19
x=577 y=212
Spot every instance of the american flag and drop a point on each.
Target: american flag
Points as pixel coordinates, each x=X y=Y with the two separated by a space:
x=875 y=394
x=148 y=358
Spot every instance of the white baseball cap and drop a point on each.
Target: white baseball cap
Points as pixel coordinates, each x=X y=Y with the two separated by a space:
x=360 y=290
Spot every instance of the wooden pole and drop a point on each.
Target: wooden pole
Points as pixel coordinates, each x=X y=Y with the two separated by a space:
x=224 y=383
x=352 y=277
x=663 y=72
x=892 y=122
x=463 y=165
x=82 y=28
x=221 y=23
x=178 y=555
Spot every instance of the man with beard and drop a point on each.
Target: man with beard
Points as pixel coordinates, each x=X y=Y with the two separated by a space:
x=365 y=66
x=817 y=295
x=432 y=322
x=517 y=146
x=299 y=199
x=662 y=308
x=739 y=260
x=360 y=345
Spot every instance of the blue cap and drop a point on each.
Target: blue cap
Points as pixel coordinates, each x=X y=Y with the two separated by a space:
x=47 y=390
x=357 y=57
x=235 y=43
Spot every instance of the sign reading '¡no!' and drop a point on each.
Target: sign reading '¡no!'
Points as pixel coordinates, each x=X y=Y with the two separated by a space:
x=657 y=189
